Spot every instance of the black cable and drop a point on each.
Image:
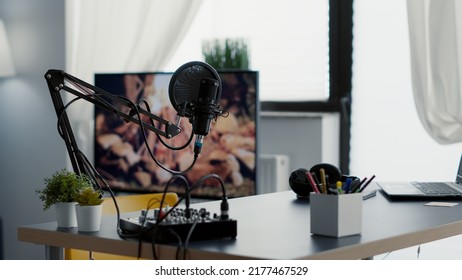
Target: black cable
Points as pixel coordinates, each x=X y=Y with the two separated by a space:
x=144 y=230
x=386 y=255
x=188 y=237
x=135 y=108
x=195 y=185
x=113 y=197
x=160 y=137
x=89 y=167
x=224 y=204
x=178 y=248
x=145 y=139
x=159 y=219
x=151 y=202
x=96 y=178
x=153 y=247
x=106 y=186
x=170 y=181
x=61 y=116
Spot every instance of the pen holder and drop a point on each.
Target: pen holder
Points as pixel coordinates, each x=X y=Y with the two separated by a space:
x=336 y=215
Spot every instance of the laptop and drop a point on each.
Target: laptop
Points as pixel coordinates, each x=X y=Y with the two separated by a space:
x=425 y=190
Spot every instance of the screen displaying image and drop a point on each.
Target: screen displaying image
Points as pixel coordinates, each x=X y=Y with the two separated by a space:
x=229 y=150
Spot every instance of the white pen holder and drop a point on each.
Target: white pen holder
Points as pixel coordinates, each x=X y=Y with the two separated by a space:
x=336 y=215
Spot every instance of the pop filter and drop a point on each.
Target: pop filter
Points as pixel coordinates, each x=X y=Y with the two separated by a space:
x=185 y=86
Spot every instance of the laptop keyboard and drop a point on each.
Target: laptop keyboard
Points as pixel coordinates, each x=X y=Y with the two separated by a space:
x=435 y=188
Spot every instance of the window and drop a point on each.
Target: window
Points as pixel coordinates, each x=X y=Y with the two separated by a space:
x=317 y=76
x=287 y=39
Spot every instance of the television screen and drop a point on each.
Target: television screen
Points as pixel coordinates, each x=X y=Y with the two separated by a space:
x=229 y=150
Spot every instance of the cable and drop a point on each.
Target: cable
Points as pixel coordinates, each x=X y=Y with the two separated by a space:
x=88 y=167
x=170 y=181
x=178 y=248
x=160 y=218
x=61 y=115
x=106 y=185
x=83 y=166
x=133 y=108
x=195 y=185
x=145 y=102
x=186 y=242
x=145 y=139
x=224 y=207
x=386 y=256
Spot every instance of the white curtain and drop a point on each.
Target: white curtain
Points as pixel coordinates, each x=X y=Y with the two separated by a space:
x=120 y=36
x=435 y=32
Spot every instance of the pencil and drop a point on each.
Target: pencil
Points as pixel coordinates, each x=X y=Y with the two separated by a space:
x=367 y=183
x=323 y=180
x=311 y=180
x=358 y=186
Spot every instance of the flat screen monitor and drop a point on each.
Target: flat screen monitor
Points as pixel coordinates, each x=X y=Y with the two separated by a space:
x=229 y=150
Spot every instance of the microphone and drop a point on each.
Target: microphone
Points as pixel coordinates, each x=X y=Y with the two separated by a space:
x=204 y=110
x=194 y=91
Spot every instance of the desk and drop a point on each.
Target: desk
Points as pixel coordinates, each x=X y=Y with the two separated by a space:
x=275 y=226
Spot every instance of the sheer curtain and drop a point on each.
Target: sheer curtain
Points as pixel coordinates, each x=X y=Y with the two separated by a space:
x=435 y=32
x=119 y=36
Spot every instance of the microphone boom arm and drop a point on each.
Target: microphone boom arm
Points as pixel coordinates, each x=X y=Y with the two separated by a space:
x=101 y=98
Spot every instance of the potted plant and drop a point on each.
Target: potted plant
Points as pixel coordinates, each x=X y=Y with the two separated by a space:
x=88 y=209
x=60 y=190
x=229 y=53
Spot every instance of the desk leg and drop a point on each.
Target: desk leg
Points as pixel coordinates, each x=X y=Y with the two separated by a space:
x=54 y=253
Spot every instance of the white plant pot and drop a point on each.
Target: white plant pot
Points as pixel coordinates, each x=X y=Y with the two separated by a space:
x=65 y=214
x=89 y=217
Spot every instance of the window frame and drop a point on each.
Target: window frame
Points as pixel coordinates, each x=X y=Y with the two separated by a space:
x=340 y=76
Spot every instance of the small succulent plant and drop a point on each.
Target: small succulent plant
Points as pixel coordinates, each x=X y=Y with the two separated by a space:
x=88 y=196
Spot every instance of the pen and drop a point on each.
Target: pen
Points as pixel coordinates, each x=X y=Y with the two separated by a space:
x=347 y=185
x=323 y=180
x=329 y=190
x=358 y=186
x=311 y=180
x=367 y=183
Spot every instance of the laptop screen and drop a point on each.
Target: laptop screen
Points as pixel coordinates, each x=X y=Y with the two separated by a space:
x=459 y=173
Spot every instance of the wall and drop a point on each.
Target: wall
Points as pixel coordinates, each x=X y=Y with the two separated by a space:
x=30 y=147
x=307 y=138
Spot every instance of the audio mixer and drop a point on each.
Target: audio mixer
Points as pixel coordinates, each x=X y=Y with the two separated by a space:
x=180 y=224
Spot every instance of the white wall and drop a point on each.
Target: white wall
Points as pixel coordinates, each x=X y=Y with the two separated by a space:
x=387 y=137
x=30 y=147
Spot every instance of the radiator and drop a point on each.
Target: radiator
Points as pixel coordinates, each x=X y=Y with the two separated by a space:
x=273 y=173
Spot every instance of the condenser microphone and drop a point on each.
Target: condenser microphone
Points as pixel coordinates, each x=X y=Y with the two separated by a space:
x=194 y=91
x=205 y=110
x=206 y=107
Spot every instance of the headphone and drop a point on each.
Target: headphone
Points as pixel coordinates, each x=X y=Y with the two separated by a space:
x=300 y=184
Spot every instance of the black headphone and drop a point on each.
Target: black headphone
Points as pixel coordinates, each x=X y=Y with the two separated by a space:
x=299 y=183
